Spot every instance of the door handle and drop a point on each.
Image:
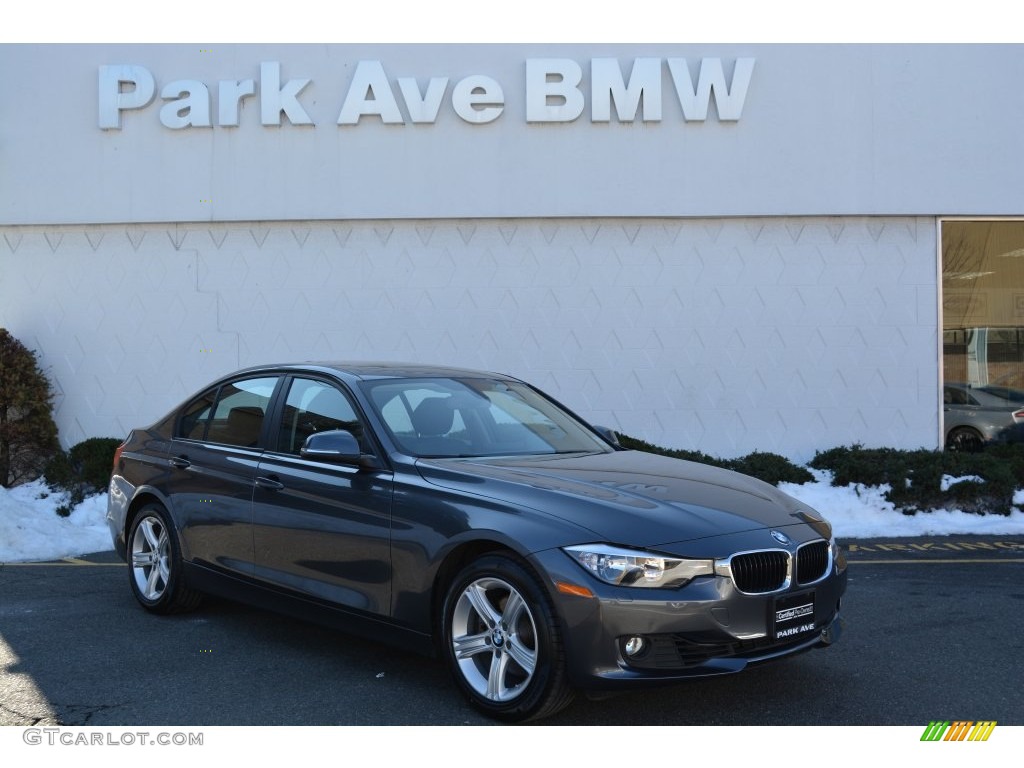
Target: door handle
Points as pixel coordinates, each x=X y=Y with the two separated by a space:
x=269 y=483
x=180 y=462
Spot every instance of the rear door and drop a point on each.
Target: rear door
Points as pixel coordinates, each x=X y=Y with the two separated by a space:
x=214 y=456
x=321 y=529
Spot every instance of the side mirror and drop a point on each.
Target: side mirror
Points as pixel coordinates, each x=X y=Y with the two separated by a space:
x=608 y=434
x=337 y=446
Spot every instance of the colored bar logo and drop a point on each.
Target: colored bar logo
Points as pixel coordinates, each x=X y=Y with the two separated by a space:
x=960 y=730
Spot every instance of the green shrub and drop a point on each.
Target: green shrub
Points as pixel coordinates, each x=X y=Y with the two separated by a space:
x=96 y=458
x=769 y=467
x=915 y=477
x=83 y=470
x=28 y=434
x=856 y=464
x=58 y=472
x=635 y=444
x=1012 y=455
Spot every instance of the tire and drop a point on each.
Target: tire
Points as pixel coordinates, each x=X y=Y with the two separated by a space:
x=154 y=564
x=503 y=643
x=964 y=439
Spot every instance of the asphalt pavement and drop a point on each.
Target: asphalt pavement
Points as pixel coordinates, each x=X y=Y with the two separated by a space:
x=934 y=631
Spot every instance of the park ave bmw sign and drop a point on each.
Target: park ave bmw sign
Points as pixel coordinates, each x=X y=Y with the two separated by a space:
x=553 y=93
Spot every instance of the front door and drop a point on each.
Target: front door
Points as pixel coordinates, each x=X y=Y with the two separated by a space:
x=322 y=529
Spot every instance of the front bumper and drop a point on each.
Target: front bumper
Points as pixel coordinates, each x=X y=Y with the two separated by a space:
x=704 y=629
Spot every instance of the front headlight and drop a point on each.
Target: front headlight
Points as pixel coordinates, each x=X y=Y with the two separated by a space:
x=631 y=568
x=838 y=556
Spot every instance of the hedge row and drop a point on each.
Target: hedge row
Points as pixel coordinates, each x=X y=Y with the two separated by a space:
x=82 y=471
x=914 y=477
x=769 y=467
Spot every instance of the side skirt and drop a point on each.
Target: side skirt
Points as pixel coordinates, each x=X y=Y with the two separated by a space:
x=305 y=609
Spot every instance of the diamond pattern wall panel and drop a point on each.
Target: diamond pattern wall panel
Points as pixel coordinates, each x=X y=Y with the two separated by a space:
x=728 y=336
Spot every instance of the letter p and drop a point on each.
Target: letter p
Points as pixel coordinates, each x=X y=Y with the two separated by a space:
x=112 y=96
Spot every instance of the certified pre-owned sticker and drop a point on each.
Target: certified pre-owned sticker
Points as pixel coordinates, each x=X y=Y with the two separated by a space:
x=788 y=614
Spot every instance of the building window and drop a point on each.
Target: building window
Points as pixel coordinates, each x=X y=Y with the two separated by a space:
x=983 y=303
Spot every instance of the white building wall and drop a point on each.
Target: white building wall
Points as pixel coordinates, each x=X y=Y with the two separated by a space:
x=725 y=335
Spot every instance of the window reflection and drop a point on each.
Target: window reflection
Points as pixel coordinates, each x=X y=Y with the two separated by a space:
x=983 y=303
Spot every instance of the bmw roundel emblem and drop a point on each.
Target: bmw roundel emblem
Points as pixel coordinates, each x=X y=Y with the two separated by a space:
x=780 y=537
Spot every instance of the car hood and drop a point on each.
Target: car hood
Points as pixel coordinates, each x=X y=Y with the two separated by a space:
x=628 y=497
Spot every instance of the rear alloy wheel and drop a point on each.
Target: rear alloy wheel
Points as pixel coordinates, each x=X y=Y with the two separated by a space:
x=155 y=564
x=964 y=439
x=502 y=641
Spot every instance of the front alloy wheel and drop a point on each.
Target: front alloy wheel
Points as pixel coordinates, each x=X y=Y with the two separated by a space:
x=503 y=643
x=494 y=638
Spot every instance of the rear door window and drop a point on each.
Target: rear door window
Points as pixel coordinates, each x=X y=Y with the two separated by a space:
x=237 y=417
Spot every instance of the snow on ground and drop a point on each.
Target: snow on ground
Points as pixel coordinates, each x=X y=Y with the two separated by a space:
x=859 y=512
x=30 y=528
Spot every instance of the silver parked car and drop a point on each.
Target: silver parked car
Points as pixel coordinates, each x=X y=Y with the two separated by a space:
x=469 y=515
x=974 y=417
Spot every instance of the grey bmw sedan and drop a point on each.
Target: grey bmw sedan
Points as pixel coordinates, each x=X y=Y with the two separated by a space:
x=469 y=516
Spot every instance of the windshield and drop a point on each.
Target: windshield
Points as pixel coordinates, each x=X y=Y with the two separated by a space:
x=435 y=417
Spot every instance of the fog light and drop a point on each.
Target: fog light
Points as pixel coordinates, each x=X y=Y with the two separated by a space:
x=635 y=645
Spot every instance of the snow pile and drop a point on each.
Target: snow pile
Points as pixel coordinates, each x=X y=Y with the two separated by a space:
x=948 y=481
x=31 y=529
x=860 y=512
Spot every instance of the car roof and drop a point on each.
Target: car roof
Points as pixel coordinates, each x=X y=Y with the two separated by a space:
x=378 y=370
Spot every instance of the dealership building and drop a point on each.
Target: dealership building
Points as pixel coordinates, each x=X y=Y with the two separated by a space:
x=719 y=247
